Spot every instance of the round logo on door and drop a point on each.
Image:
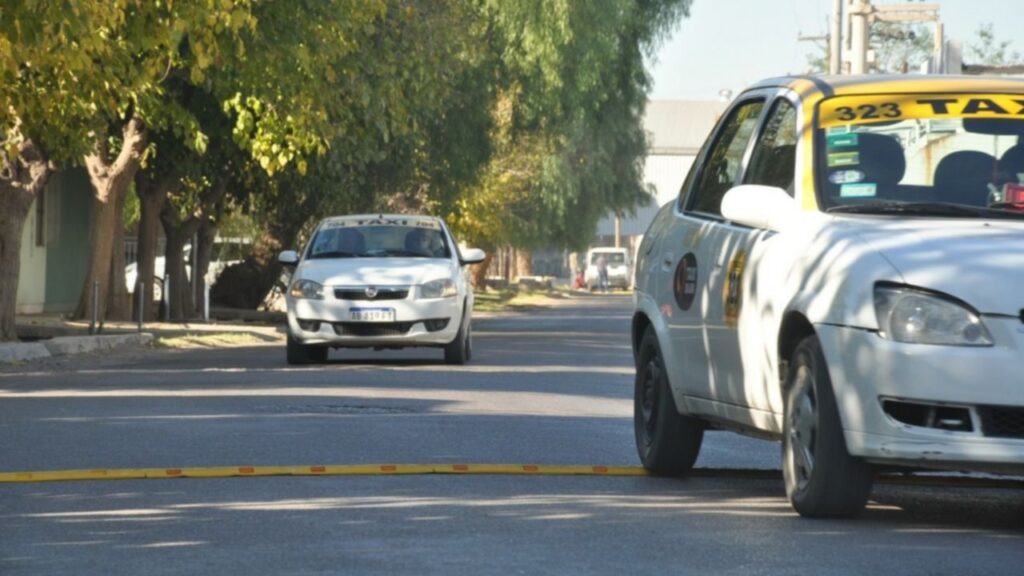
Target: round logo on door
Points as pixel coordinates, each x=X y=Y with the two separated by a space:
x=685 y=283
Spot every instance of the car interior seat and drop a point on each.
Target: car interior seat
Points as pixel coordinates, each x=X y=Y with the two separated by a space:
x=414 y=243
x=963 y=178
x=882 y=162
x=351 y=241
x=1011 y=165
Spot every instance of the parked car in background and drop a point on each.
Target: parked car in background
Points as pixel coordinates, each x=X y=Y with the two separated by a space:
x=842 y=271
x=226 y=252
x=616 y=260
x=380 y=281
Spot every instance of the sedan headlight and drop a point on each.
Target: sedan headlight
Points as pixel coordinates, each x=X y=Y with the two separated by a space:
x=919 y=317
x=307 y=289
x=443 y=288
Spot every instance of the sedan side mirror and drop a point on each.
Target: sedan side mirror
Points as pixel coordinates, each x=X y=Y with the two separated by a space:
x=473 y=256
x=289 y=258
x=758 y=206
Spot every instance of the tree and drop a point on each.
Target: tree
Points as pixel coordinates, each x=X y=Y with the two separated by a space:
x=158 y=42
x=988 y=51
x=568 y=138
x=56 y=92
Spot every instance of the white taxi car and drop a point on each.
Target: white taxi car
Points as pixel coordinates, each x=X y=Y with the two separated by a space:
x=380 y=281
x=843 y=271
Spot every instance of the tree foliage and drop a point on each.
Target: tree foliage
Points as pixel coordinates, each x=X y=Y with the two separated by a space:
x=519 y=119
x=989 y=51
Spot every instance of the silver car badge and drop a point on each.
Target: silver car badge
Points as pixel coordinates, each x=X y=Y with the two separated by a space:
x=371 y=292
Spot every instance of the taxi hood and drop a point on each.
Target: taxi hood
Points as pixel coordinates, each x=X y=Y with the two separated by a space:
x=981 y=262
x=374 y=271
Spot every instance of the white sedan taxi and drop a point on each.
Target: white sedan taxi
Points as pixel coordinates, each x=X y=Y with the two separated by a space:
x=380 y=281
x=843 y=271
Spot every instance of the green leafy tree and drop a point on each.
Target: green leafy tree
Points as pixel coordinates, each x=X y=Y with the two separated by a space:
x=986 y=50
x=569 y=141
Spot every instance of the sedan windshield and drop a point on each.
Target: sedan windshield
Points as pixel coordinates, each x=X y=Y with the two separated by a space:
x=950 y=155
x=378 y=240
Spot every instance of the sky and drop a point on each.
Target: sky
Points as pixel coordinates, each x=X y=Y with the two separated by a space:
x=730 y=44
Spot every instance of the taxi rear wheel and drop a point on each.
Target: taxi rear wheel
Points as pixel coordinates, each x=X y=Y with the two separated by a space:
x=822 y=479
x=667 y=442
x=299 y=353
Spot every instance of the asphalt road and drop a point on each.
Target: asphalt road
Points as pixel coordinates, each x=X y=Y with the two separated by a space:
x=549 y=387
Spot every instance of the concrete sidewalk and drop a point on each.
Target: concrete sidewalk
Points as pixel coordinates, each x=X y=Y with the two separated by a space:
x=48 y=335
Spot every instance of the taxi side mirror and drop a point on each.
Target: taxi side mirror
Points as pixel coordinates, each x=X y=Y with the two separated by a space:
x=758 y=206
x=288 y=258
x=472 y=256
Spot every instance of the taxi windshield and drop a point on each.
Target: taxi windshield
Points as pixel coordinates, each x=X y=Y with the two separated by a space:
x=378 y=240
x=949 y=155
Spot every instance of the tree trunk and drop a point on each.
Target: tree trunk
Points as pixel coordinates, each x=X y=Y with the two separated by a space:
x=178 y=289
x=524 y=263
x=479 y=272
x=152 y=197
x=110 y=181
x=22 y=176
x=117 y=303
x=207 y=235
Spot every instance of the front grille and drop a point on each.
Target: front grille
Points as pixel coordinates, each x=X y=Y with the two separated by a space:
x=370 y=329
x=1001 y=421
x=383 y=293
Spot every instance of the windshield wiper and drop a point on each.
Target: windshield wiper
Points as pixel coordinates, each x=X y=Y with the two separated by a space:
x=336 y=254
x=923 y=209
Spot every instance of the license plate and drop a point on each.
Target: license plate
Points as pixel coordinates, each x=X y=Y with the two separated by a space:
x=372 y=314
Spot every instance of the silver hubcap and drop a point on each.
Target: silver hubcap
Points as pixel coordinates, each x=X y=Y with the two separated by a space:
x=802 y=429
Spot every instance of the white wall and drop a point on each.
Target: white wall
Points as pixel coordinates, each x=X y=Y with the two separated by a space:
x=32 y=276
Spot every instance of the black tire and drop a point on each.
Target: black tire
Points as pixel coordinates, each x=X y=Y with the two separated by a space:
x=299 y=353
x=460 y=350
x=666 y=441
x=822 y=479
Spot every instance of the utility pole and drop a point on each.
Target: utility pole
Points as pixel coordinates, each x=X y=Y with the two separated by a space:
x=859 y=11
x=861 y=14
x=835 y=39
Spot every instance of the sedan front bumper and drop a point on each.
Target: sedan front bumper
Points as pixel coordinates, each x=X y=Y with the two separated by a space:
x=931 y=406
x=422 y=322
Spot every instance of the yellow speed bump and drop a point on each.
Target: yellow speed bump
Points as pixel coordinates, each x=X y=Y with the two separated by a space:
x=468 y=470
x=341 y=470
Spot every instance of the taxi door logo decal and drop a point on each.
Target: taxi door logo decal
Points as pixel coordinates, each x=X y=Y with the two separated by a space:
x=684 y=284
x=732 y=293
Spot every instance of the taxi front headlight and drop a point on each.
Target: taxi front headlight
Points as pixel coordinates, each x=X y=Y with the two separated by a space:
x=919 y=317
x=442 y=288
x=306 y=289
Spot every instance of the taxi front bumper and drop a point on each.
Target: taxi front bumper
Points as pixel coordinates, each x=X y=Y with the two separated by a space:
x=931 y=406
x=417 y=322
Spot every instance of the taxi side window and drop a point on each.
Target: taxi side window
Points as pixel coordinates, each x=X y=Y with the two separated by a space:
x=773 y=161
x=722 y=164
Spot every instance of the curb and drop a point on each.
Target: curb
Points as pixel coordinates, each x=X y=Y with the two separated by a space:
x=69 y=345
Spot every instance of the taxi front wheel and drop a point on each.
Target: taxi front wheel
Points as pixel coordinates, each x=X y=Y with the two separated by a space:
x=667 y=442
x=822 y=479
x=460 y=350
x=299 y=353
